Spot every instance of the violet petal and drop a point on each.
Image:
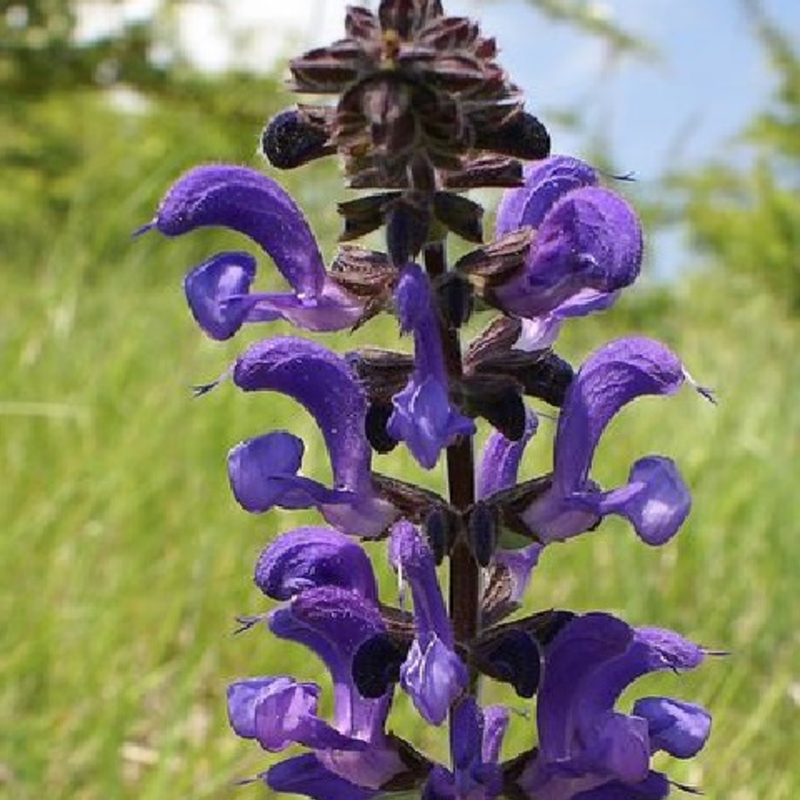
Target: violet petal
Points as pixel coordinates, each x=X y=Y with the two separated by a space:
x=323 y=382
x=432 y=674
x=253 y=204
x=590 y=239
x=305 y=775
x=279 y=712
x=309 y=557
x=333 y=623
x=655 y=500
x=677 y=727
x=423 y=416
x=209 y=288
x=611 y=377
x=332 y=309
x=262 y=473
x=545 y=182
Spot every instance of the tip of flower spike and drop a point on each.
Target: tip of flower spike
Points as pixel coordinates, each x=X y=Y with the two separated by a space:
x=143 y=229
x=248 y=621
x=628 y=177
x=684 y=787
x=204 y=388
x=704 y=391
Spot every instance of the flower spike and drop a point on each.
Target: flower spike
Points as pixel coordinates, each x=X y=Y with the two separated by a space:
x=418 y=110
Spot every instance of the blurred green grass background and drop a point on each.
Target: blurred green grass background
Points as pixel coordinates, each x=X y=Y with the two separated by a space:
x=124 y=559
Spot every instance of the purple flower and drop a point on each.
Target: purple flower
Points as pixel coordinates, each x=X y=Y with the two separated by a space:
x=475 y=739
x=588 y=246
x=498 y=470
x=587 y=750
x=424 y=416
x=433 y=674
x=332 y=610
x=655 y=499
x=218 y=291
x=263 y=471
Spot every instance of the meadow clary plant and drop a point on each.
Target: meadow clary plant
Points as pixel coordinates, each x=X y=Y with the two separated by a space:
x=419 y=111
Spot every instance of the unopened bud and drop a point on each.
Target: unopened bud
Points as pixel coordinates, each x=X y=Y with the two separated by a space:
x=290 y=140
x=522 y=136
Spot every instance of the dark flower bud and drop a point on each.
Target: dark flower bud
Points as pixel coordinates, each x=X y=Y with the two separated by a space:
x=498 y=260
x=376 y=664
x=497 y=399
x=407 y=226
x=510 y=654
x=383 y=373
x=364 y=214
x=375 y=424
x=441 y=527
x=455 y=299
x=544 y=625
x=460 y=215
x=485 y=171
x=547 y=378
x=521 y=136
x=290 y=140
x=482 y=532
x=411 y=501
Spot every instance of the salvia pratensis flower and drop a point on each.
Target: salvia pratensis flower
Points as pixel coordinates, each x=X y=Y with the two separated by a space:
x=588 y=750
x=418 y=109
x=263 y=471
x=219 y=290
x=655 y=500
x=424 y=416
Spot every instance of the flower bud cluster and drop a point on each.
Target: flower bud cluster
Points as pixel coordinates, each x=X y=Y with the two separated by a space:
x=418 y=111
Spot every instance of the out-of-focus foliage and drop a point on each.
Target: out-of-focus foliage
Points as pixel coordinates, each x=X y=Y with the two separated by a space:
x=745 y=215
x=68 y=103
x=40 y=53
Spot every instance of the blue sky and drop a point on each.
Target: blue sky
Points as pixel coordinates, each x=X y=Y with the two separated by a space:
x=708 y=79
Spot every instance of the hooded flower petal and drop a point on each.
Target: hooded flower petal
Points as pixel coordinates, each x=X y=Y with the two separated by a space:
x=323 y=383
x=545 y=182
x=333 y=622
x=423 y=415
x=590 y=239
x=310 y=557
x=250 y=203
x=433 y=674
x=583 y=743
x=655 y=499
